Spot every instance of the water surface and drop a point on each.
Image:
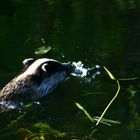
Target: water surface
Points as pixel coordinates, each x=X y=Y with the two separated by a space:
x=95 y=33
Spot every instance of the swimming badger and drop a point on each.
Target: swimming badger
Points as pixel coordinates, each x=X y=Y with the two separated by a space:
x=40 y=78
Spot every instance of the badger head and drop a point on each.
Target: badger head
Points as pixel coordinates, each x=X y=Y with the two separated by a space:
x=39 y=78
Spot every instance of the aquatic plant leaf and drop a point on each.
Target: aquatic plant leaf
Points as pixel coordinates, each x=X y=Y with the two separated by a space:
x=109 y=73
x=14 y=122
x=87 y=93
x=45 y=128
x=30 y=135
x=33 y=136
x=42 y=50
x=103 y=122
x=96 y=118
x=28 y=105
x=128 y=79
x=85 y=112
x=42 y=138
x=25 y=130
x=100 y=119
x=118 y=90
x=108 y=120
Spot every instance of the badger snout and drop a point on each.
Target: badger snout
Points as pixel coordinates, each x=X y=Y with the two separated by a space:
x=68 y=67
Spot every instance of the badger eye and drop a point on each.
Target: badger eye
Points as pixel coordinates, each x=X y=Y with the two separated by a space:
x=45 y=67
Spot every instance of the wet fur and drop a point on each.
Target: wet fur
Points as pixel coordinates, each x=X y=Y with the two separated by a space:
x=40 y=78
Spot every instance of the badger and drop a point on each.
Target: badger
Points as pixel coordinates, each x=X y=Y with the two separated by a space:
x=39 y=78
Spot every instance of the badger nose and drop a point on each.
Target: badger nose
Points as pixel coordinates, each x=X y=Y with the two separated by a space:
x=68 y=67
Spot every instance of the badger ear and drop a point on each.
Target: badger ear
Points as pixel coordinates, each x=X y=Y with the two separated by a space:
x=44 y=67
x=27 y=62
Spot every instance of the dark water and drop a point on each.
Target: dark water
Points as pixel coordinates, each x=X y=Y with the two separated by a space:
x=95 y=32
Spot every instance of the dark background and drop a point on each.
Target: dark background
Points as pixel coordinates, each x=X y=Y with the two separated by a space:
x=96 y=32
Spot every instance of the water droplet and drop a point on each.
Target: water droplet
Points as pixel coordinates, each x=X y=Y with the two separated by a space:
x=43 y=40
x=62 y=55
x=38 y=103
x=97 y=66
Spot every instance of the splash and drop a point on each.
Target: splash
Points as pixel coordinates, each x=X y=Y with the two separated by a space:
x=7 y=105
x=86 y=74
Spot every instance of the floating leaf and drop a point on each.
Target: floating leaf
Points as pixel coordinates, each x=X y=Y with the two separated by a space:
x=42 y=50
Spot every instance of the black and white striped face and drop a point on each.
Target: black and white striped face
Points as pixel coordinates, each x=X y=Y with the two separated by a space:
x=45 y=66
x=49 y=72
x=39 y=78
